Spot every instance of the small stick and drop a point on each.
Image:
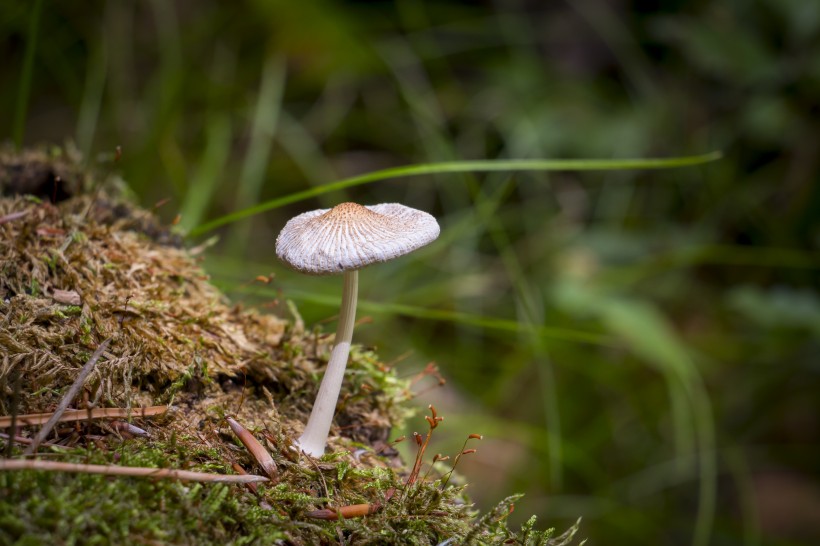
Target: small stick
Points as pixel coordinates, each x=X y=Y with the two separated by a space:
x=241 y=471
x=113 y=470
x=69 y=396
x=83 y=415
x=27 y=441
x=255 y=448
x=13 y=216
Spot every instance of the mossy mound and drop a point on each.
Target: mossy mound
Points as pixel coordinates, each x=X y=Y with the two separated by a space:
x=89 y=267
x=79 y=265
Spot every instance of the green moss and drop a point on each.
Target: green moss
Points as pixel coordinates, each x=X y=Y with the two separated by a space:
x=45 y=508
x=40 y=507
x=260 y=369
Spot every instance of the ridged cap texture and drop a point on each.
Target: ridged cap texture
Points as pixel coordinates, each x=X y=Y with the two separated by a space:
x=351 y=236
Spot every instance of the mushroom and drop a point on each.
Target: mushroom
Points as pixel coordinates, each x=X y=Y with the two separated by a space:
x=345 y=239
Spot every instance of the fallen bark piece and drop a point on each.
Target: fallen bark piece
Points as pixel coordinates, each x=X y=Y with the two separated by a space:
x=83 y=415
x=255 y=448
x=134 y=471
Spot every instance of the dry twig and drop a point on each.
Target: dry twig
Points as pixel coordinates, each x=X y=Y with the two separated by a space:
x=113 y=470
x=69 y=396
x=13 y=216
x=83 y=415
x=242 y=472
x=27 y=441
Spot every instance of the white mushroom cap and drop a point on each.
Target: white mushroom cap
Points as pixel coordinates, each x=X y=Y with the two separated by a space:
x=351 y=236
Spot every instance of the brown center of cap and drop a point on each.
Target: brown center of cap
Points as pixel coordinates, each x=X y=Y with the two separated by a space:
x=345 y=212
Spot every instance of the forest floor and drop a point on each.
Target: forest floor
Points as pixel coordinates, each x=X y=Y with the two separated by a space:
x=82 y=268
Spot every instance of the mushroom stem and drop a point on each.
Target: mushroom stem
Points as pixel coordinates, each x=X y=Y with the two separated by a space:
x=314 y=438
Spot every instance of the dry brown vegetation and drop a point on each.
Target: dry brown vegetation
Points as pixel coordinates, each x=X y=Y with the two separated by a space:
x=79 y=265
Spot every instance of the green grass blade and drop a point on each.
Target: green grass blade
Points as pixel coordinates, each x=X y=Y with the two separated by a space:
x=442 y=315
x=202 y=188
x=88 y=117
x=461 y=167
x=200 y=194
x=28 y=73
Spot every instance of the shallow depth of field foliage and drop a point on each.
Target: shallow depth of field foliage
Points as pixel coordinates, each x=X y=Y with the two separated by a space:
x=640 y=348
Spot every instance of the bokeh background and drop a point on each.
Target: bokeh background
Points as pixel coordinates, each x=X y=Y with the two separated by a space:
x=639 y=348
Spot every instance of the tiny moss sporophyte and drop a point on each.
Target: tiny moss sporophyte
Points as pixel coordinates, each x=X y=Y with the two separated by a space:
x=345 y=239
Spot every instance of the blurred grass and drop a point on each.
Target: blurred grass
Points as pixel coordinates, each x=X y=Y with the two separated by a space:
x=24 y=89
x=451 y=167
x=638 y=347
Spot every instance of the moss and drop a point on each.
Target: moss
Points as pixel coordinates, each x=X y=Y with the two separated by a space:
x=45 y=508
x=176 y=340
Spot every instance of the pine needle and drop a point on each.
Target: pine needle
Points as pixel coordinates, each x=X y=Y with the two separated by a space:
x=83 y=415
x=113 y=470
